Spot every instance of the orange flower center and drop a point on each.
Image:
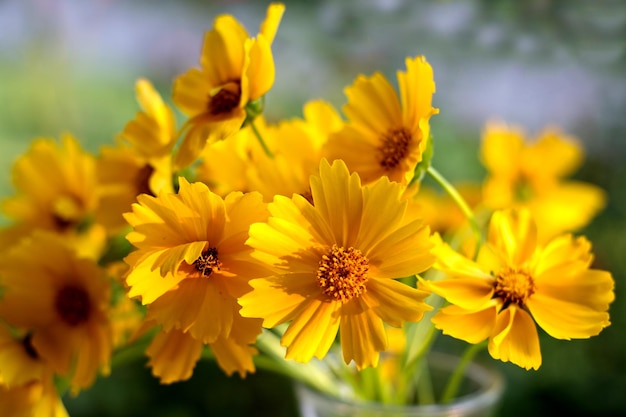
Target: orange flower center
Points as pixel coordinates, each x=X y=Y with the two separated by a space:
x=142 y=180
x=207 y=262
x=514 y=286
x=226 y=99
x=394 y=147
x=342 y=273
x=73 y=305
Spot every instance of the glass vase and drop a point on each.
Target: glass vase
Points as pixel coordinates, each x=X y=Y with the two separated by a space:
x=482 y=390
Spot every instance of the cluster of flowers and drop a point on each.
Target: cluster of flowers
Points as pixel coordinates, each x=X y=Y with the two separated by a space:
x=314 y=227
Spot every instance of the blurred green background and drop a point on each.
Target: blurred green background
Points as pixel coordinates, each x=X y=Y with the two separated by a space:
x=70 y=65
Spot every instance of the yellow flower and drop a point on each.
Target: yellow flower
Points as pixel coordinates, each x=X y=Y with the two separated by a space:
x=334 y=266
x=56 y=188
x=386 y=135
x=533 y=176
x=515 y=281
x=191 y=262
x=62 y=301
x=235 y=70
x=20 y=361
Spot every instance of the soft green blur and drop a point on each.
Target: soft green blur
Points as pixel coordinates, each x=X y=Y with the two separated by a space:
x=71 y=66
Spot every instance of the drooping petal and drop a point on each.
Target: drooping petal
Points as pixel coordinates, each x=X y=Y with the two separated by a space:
x=417 y=87
x=173 y=355
x=394 y=301
x=468 y=293
x=233 y=357
x=514 y=235
x=515 y=339
x=362 y=334
x=472 y=326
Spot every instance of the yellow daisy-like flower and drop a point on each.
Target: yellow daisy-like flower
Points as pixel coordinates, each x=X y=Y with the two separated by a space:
x=191 y=262
x=514 y=282
x=532 y=175
x=334 y=266
x=235 y=70
x=20 y=361
x=386 y=135
x=62 y=302
x=56 y=188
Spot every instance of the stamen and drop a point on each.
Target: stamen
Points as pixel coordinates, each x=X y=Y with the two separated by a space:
x=73 y=305
x=514 y=286
x=394 y=147
x=207 y=262
x=342 y=273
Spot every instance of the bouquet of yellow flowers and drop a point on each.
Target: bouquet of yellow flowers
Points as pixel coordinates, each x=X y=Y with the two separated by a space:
x=311 y=246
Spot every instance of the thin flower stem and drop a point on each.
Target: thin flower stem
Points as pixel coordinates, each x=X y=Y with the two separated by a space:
x=267 y=150
x=452 y=388
x=458 y=199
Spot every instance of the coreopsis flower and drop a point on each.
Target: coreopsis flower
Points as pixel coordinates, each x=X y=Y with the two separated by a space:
x=386 y=133
x=141 y=162
x=191 y=262
x=19 y=359
x=533 y=175
x=235 y=70
x=515 y=283
x=61 y=301
x=334 y=264
x=56 y=188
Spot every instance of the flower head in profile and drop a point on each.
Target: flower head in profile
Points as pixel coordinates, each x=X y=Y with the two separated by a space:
x=386 y=133
x=515 y=283
x=191 y=262
x=61 y=302
x=141 y=162
x=334 y=264
x=533 y=175
x=235 y=70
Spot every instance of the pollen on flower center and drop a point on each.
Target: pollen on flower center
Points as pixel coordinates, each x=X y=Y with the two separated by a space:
x=225 y=100
x=73 y=305
x=207 y=262
x=394 y=147
x=514 y=286
x=342 y=273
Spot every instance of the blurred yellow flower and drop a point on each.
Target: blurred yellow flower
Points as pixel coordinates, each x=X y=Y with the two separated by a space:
x=515 y=281
x=532 y=175
x=386 y=134
x=235 y=70
x=56 y=188
x=62 y=302
x=33 y=399
x=334 y=266
x=191 y=263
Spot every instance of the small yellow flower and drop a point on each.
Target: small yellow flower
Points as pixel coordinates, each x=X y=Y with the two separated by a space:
x=62 y=302
x=191 y=261
x=235 y=70
x=533 y=175
x=386 y=134
x=514 y=282
x=334 y=266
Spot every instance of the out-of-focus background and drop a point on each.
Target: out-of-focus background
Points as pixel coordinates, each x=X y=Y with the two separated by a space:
x=71 y=65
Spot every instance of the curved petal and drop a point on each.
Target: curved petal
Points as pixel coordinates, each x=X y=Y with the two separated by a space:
x=233 y=357
x=394 y=301
x=513 y=234
x=468 y=293
x=373 y=104
x=515 y=339
x=501 y=149
x=470 y=326
x=173 y=355
x=362 y=334
x=417 y=87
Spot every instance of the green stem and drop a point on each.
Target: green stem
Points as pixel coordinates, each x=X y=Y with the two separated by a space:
x=458 y=199
x=452 y=388
x=266 y=149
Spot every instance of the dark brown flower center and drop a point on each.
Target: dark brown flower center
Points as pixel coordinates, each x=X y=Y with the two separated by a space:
x=142 y=180
x=394 y=147
x=226 y=99
x=73 y=305
x=27 y=344
x=514 y=286
x=342 y=273
x=207 y=262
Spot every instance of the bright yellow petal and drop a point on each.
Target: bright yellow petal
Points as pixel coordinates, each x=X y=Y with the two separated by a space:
x=312 y=331
x=173 y=355
x=362 y=334
x=272 y=20
x=373 y=104
x=513 y=234
x=470 y=326
x=501 y=149
x=469 y=293
x=261 y=71
x=223 y=51
x=417 y=87
x=146 y=283
x=453 y=263
x=394 y=301
x=515 y=339
x=553 y=155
